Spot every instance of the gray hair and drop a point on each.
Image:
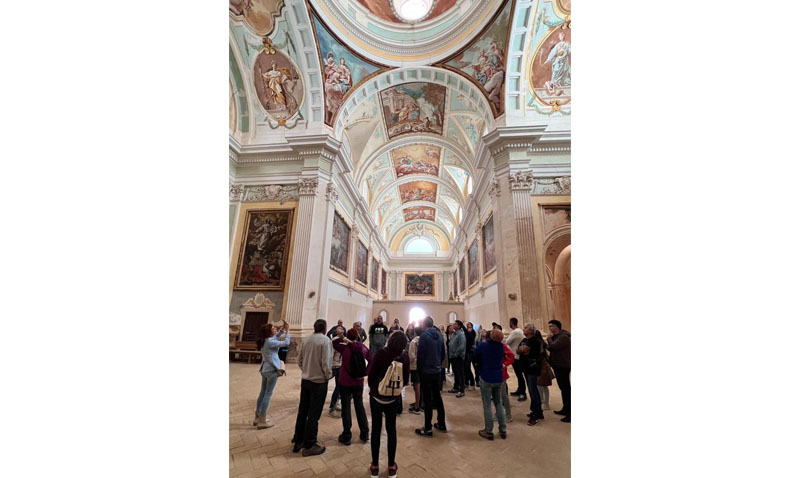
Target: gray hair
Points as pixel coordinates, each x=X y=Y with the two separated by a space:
x=530 y=326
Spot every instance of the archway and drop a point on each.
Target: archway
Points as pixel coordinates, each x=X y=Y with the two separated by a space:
x=561 y=284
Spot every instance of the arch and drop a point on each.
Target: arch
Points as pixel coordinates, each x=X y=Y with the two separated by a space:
x=563 y=266
x=425 y=74
x=410 y=178
x=409 y=224
x=244 y=93
x=452 y=316
x=434 y=244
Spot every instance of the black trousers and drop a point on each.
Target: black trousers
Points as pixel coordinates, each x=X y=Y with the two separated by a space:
x=562 y=378
x=355 y=394
x=469 y=379
x=458 y=373
x=432 y=393
x=379 y=411
x=517 y=365
x=312 y=399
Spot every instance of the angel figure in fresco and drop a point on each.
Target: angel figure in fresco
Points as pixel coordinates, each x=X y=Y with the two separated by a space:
x=338 y=80
x=560 y=77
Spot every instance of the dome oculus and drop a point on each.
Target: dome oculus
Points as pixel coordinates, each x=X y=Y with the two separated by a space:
x=412 y=10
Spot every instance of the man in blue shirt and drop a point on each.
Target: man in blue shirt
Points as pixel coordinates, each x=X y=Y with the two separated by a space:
x=430 y=354
x=490 y=354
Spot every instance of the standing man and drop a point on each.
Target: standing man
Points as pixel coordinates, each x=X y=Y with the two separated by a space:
x=332 y=333
x=469 y=334
x=491 y=354
x=457 y=352
x=430 y=353
x=378 y=333
x=531 y=352
x=513 y=341
x=335 y=408
x=315 y=362
x=362 y=336
x=559 y=345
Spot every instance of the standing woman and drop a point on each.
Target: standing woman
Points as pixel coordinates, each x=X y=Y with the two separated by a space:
x=269 y=343
x=350 y=387
x=380 y=405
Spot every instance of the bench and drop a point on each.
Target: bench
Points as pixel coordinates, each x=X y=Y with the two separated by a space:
x=247 y=349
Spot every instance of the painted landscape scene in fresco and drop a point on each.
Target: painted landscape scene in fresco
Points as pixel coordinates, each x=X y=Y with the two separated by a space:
x=413 y=108
x=417 y=191
x=416 y=159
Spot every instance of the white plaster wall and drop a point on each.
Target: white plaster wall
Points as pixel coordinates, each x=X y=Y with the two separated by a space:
x=483 y=310
x=348 y=308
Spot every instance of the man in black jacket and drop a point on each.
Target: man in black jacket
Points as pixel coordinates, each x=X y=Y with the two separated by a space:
x=531 y=354
x=378 y=334
x=559 y=345
x=468 y=377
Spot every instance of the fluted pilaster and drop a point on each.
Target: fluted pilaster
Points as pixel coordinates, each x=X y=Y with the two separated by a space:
x=521 y=183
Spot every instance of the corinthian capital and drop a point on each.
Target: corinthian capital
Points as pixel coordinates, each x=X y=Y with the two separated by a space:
x=520 y=180
x=330 y=192
x=308 y=186
x=236 y=192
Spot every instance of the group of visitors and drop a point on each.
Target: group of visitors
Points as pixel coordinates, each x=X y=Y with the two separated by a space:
x=420 y=354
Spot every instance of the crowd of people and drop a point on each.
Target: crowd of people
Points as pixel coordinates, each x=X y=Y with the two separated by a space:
x=421 y=355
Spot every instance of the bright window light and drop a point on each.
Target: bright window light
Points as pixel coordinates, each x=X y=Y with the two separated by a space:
x=419 y=246
x=416 y=315
x=412 y=10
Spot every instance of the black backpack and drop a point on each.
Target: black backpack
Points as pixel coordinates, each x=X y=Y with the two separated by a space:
x=358 y=364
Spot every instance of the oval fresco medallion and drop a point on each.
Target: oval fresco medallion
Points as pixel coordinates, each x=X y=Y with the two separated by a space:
x=551 y=70
x=278 y=84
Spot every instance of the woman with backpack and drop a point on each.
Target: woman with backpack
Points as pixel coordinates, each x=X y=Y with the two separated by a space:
x=355 y=356
x=387 y=375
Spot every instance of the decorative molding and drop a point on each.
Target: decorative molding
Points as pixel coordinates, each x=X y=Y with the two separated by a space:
x=521 y=180
x=272 y=192
x=260 y=301
x=355 y=230
x=549 y=149
x=494 y=189
x=330 y=193
x=308 y=186
x=236 y=192
x=554 y=186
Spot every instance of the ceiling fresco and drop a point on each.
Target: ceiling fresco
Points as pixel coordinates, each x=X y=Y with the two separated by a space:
x=384 y=9
x=419 y=212
x=416 y=159
x=258 y=14
x=418 y=191
x=413 y=108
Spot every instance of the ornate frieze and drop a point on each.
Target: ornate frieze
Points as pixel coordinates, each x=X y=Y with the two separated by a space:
x=236 y=192
x=560 y=185
x=308 y=186
x=271 y=192
x=520 y=180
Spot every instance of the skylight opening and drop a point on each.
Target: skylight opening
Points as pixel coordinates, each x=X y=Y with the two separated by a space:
x=419 y=246
x=412 y=10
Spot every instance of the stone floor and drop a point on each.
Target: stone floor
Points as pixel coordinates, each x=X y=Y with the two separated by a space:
x=542 y=450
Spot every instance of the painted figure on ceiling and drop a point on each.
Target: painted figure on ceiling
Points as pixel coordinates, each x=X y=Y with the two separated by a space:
x=278 y=83
x=559 y=58
x=338 y=80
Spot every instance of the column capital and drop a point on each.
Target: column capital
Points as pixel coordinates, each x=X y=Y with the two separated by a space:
x=521 y=180
x=330 y=193
x=236 y=192
x=308 y=186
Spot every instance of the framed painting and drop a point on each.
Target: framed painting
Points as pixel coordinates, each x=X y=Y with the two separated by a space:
x=461 y=276
x=340 y=245
x=264 y=252
x=374 y=271
x=361 y=263
x=472 y=254
x=420 y=285
x=487 y=235
x=455 y=282
x=383 y=281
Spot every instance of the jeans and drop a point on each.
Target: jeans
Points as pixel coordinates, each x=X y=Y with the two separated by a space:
x=356 y=394
x=268 y=380
x=469 y=379
x=517 y=365
x=378 y=411
x=533 y=393
x=505 y=399
x=492 y=392
x=432 y=395
x=458 y=373
x=312 y=399
x=562 y=377
x=335 y=394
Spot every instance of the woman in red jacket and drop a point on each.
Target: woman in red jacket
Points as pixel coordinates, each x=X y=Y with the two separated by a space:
x=351 y=387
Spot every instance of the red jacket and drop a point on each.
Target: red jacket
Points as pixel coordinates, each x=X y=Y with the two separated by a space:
x=345 y=379
x=508 y=359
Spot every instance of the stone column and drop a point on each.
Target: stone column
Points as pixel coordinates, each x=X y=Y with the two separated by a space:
x=520 y=183
x=331 y=196
x=236 y=194
x=440 y=293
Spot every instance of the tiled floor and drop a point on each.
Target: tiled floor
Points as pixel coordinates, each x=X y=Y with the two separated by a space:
x=542 y=450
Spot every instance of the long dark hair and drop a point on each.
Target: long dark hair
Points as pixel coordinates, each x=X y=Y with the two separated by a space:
x=397 y=343
x=264 y=333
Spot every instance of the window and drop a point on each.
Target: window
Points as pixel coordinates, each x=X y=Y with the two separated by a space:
x=419 y=246
x=412 y=10
x=416 y=315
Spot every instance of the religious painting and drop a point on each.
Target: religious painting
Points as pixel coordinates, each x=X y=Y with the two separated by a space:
x=551 y=70
x=384 y=9
x=420 y=285
x=484 y=60
x=472 y=257
x=343 y=69
x=417 y=191
x=264 y=252
x=361 y=263
x=413 y=108
x=554 y=217
x=419 y=212
x=416 y=159
x=461 y=276
x=277 y=83
x=374 y=271
x=383 y=281
x=455 y=282
x=487 y=235
x=340 y=245
x=259 y=15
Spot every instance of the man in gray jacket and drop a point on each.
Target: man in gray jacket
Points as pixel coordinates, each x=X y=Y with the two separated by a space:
x=315 y=361
x=458 y=349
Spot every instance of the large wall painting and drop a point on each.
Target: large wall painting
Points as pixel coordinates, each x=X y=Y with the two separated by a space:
x=263 y=255
x=416 y=159
x=487 y=235
x=343 y=69
x=417 y=191
x=472 y=254
x=551 y=70
x=461 y=277
x=277 y=83
x=259 y=15
x=340 y=245
x=361 y=263
x=383 y=281
x=484 y=60
x=374 y=271
x=420 y=285
x=554 y=217
x=414 y=108
x=419 y=212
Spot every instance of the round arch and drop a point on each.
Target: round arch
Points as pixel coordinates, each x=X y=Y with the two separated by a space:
x=410 y=178
x=436 y=225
